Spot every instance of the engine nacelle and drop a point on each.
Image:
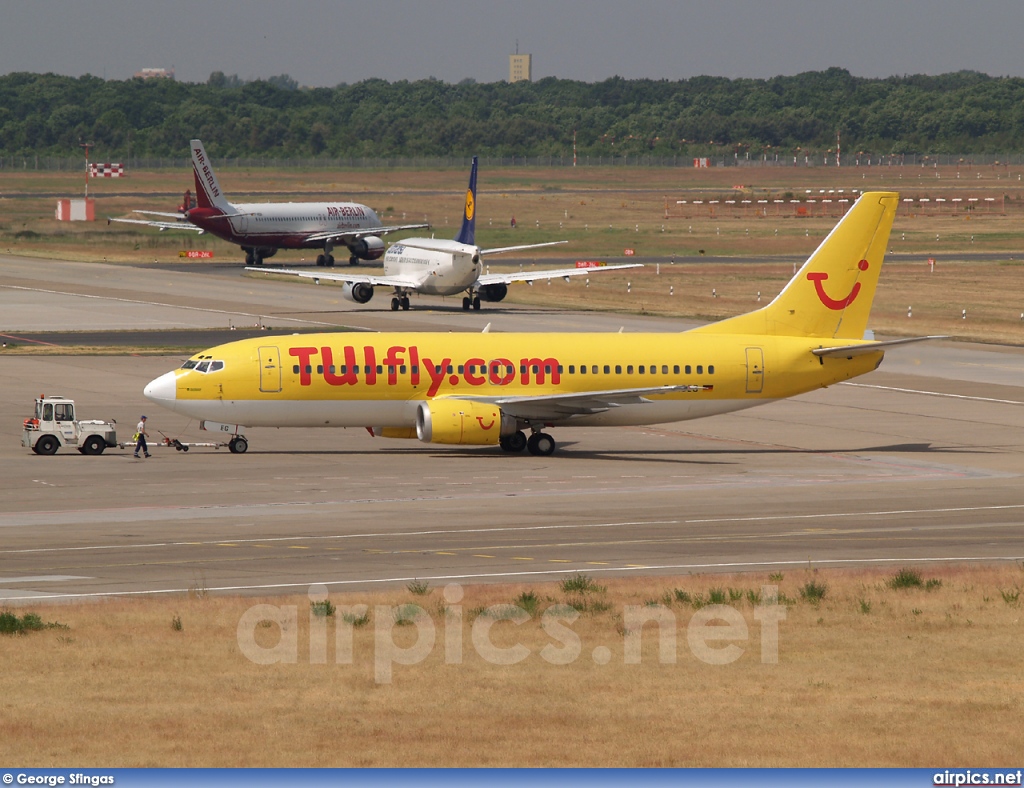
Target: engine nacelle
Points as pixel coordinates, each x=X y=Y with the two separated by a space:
x=494 y=292
x=462 y=422
x=357 y=292
x=369 y=248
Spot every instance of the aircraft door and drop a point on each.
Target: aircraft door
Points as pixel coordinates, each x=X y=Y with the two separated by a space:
x=270 y=369
x=755 y=370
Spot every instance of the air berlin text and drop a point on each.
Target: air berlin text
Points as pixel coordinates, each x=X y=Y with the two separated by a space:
x=353 y=365
x=343 y=211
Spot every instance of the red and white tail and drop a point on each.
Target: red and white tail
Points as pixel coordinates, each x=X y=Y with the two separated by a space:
x=208 y=193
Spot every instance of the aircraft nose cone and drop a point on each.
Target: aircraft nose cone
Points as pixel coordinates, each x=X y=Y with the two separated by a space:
x=163 y=390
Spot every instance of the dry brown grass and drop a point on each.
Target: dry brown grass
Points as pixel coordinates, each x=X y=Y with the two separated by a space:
x=869 y=676
x=601 y=210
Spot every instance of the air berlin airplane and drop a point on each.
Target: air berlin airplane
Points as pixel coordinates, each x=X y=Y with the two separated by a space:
x=264 y=227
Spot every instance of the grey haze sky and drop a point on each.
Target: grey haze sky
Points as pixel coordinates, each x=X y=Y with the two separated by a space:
x=323 y=43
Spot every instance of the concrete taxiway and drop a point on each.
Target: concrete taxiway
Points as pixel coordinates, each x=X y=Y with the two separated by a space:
x=920 y=461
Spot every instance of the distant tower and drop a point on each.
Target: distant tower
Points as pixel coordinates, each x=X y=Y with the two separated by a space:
x=520 y=67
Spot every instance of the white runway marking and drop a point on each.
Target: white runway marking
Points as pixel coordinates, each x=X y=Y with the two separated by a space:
x=737 y=566
x=533 y=528
x=933 y=393
x=169 y=306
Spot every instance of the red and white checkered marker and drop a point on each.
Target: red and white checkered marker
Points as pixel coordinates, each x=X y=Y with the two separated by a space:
x=111 y=170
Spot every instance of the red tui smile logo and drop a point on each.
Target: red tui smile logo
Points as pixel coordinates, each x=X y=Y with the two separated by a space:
x=826 y=299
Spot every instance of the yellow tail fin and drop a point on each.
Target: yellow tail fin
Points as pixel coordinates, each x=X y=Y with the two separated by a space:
x=831 y=295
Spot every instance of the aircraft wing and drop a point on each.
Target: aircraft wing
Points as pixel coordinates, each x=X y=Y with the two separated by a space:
x=178 y=225
x=849 y=351
x=179 y=216
x=556 y=407
x=563 y=273
x=317 y=275
x=337 y=235
x=502 y=249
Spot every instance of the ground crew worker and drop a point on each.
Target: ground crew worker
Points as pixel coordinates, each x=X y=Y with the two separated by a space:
x=140 y=438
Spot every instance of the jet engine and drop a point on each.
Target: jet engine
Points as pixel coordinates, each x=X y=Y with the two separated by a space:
x=462 y=422
x=369 y=248
x=494 y=292
x=358 y=292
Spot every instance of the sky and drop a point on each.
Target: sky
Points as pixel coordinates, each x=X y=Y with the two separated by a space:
x=324 y=43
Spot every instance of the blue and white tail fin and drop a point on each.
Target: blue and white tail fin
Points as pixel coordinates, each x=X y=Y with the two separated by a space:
x=208 y=193
x=467 y=233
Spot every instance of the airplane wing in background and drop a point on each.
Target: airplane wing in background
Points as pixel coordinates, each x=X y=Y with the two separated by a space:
x=179 y=216
x=181 y=224
x=560 y=273
x=503 y=249
x=352 y=235
x=316 y=275
x=560 y=406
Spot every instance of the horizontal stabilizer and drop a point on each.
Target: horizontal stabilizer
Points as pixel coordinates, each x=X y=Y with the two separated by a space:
x=849 y=351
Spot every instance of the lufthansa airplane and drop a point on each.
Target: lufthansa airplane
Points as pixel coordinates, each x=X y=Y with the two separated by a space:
x=493 y=389
x=441 y=267
x=263 y=228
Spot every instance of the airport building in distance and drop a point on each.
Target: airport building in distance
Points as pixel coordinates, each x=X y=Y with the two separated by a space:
x=520 y=67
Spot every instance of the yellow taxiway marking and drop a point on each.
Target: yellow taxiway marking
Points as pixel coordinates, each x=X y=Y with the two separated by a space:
x=481 y=555
x=520 y=558
x=598 y=563
x=226 y=544
x=559 y=561
x=441 y=552
x=636 y=566
x=298 y=547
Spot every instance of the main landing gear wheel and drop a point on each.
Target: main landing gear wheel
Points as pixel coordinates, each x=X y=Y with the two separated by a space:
x=405 y=303
x=476 y=303
x=395 y=303
x=466 y=303
x=238 y=445
x=330 y=260
x=515 y=442
x=321 y=260
x=248 y=257
x=353 y=260
x=541 y=444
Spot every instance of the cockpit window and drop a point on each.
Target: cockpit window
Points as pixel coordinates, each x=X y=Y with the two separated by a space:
x=189 y=364
x=216 y=366
x=202 y=366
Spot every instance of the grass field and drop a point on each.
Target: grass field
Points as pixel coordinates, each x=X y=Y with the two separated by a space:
x=602 y=212
x=870 y=669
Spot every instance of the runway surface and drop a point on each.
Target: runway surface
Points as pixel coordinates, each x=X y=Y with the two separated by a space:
x=920 y=461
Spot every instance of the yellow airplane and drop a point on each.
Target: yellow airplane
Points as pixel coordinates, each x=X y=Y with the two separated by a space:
x=489 y=389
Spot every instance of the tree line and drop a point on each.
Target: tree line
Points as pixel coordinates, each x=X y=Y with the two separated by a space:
x=962 y=112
